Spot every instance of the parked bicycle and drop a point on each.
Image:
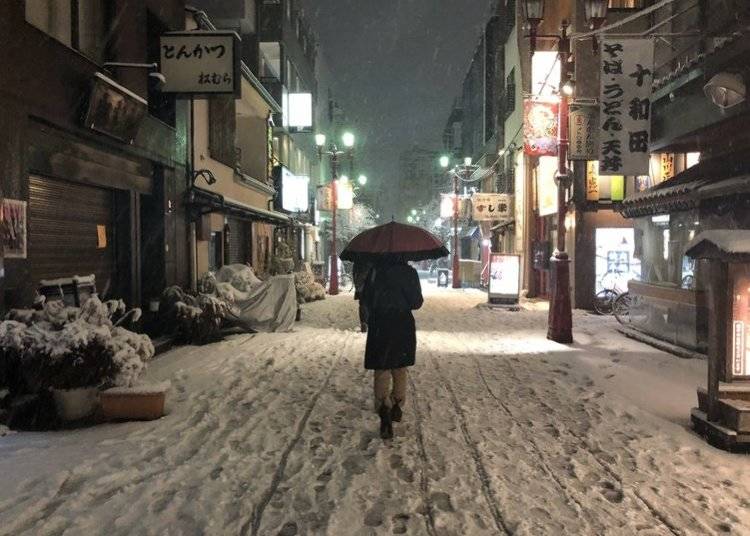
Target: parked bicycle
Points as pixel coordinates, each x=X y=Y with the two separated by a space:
x=605 y=298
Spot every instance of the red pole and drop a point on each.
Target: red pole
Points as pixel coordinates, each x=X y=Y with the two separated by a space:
x=560 y=322
x=456 y=265
x=334 y=288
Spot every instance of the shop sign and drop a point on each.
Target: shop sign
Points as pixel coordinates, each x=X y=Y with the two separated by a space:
x=582 y=132
x=13 y=229
x=666 y=166
x=114 y=110
x=293 y=188
x=505 y=276
x=609 y=188
x=546 y=187
x=446 y=205
x=201 y=63
x=298 y=112
x=492 y=207
x=626 y=73
x=540 y=126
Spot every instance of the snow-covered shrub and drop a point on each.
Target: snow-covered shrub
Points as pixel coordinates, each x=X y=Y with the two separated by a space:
x=193 y=319
x=307 y=288
x=67 y=347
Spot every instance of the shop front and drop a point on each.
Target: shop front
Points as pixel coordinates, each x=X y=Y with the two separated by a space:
x=671 y=294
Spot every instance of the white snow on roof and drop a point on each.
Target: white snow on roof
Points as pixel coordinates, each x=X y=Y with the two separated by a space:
x=730 y=241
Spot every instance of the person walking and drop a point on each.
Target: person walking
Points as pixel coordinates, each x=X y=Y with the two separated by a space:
x=392 y=291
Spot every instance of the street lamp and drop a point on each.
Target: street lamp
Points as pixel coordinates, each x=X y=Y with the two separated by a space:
x=445 y=162
x=362 y=180
x=467 y=170
x=560 y=322
x=335 y=154
x=596 y=14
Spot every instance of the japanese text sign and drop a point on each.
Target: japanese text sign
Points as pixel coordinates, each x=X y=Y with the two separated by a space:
x=540 y=127
x=583 y=132
x=626 y=73
x=491 y=207
x=201 y=62
x=505 y=276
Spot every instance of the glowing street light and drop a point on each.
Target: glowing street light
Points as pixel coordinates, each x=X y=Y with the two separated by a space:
x=467 y=161
x=348 y=139
x=362 y=180
x=320 y=140
x=410 y=219
x=445 y=161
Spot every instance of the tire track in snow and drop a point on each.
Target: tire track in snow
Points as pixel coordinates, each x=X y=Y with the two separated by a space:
x=252 y=525
x=423 y=480
x=654 y=512
x=482 y=472
x=532 y=441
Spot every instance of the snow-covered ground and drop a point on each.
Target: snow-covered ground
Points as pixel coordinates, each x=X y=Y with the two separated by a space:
x=505 y=432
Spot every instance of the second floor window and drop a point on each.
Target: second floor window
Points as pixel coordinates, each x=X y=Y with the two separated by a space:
x=79 y=24
x=626 y=4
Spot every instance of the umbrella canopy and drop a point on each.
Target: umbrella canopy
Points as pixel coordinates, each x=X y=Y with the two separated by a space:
x=394 y=241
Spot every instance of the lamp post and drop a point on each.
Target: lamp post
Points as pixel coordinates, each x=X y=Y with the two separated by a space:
x=334 y=153
x=467 y=169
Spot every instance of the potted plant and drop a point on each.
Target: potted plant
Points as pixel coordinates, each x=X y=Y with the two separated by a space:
x=74 y=352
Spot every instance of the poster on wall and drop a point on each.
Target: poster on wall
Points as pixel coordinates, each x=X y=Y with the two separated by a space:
x=626 y=74
x=540 y=127
x=583 y=132
x=13 y=228
x=505 y=277
x=492 y=207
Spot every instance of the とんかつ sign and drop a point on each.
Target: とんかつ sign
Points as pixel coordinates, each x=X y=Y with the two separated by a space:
x=626 y=74
x=201 y=62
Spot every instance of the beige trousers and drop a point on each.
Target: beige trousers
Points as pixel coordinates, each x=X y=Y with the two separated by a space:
x=383 y=391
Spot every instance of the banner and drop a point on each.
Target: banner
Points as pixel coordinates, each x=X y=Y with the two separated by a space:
x=583 y=126
x=540 y=127
x=491 y=207
x=546 y=187
x=344 y=201
x=13 y=229
x=626 y=74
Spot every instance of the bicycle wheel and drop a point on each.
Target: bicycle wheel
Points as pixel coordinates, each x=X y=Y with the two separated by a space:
x=604 y=300
x=621 y=308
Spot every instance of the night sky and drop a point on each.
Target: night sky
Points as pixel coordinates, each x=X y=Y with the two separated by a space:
x=398 y=65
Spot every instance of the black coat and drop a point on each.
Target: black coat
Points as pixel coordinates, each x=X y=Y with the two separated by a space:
x=391 y=293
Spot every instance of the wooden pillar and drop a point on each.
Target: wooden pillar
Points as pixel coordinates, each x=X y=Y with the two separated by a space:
x=718 y=306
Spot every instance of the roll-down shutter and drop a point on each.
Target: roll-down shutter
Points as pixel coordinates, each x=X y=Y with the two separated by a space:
x=70 y=231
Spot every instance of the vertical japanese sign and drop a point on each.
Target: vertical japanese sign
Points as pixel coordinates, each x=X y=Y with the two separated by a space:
x=626 y=73
x=201 y=62
x=583 y=132
x=540 y=127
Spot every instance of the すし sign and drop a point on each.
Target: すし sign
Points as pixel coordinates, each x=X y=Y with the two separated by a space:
x=491 y=207
x=626 y=74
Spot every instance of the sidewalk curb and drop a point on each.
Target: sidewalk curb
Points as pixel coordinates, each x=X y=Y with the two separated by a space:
x=673 y=349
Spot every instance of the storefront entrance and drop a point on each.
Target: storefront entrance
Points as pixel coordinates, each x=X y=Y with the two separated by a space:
x=615 y=259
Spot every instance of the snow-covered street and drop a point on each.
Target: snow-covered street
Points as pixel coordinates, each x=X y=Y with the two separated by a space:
x=505 y=432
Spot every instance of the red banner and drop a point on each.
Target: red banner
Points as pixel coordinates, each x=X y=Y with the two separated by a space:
x=540 y=123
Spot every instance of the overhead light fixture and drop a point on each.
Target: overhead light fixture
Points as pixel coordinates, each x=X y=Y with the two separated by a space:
x=467 y=161
x=444 y=161
x=726 y=90
x=568 y=88
x=320 y=140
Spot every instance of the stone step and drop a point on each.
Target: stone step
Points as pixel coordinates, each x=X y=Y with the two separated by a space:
x=727 y=391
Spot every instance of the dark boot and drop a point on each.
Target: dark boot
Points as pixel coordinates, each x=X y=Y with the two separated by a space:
x=386 y=427
x=396 y=413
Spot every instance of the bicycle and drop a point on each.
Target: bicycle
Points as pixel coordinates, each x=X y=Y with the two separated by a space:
x=604 y=299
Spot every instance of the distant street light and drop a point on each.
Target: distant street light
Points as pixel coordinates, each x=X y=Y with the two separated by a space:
x=348 y=139
x=410 y=219
x=414 y=212
x=344 y=179
x=320 y=140
x=362 y=180
x=445 y=161
x=467 y=161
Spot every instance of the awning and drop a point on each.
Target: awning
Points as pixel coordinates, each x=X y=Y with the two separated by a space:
x=205 y=202
x=707 y=180
x=724 y=244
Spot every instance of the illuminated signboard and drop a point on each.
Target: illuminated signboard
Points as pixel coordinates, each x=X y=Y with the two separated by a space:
x=299 y=112
x=294 y=190
x=505 y=277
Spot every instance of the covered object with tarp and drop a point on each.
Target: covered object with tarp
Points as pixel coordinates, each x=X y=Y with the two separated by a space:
x=267 y=306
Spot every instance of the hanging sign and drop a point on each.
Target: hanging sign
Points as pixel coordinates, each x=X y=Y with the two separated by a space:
x=540 y=127
x=446 y=205
x=505 y=277
x=666 y=166
x=626 y=74
x=201 y=63
x=13 y=229
x=583 y=132
x=344 y=199
x=492 y=207
x=608 y=188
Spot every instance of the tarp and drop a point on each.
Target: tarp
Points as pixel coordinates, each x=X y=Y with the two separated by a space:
x=267 y=306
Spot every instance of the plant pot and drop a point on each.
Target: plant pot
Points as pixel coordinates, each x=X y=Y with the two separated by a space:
x=141 y=403
x=75 y=404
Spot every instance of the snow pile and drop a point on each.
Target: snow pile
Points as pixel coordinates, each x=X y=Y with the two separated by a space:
x=142 y=389
x=69 y=347
x=307 y=288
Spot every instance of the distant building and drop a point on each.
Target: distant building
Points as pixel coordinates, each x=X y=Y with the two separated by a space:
x=420 y=179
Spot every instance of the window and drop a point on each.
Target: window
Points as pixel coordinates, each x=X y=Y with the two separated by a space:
x=626 y=4
x=79 y=24
x=510 y=92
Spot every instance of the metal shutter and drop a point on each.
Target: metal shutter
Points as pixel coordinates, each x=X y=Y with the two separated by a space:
x=239 y=241
x=63 y=234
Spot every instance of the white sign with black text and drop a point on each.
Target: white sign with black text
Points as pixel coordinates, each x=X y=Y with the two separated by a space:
x=626 y=74
x=492 y=207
